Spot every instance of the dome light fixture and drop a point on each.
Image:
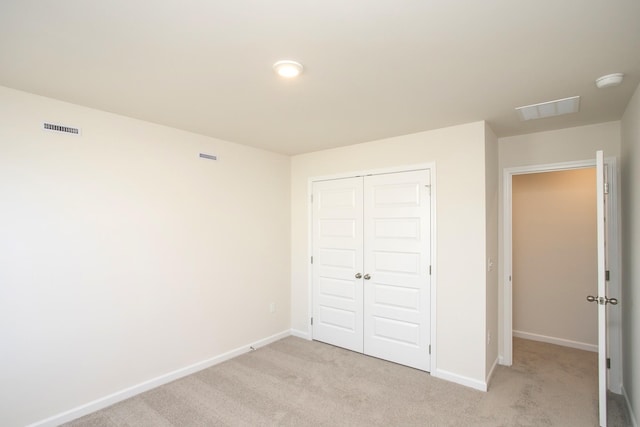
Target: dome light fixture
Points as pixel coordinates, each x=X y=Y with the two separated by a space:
x=288 y=69
x=609 y=80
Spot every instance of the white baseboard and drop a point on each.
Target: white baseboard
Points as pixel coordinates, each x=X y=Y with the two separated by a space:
x=301 y=334
x=121 y=395
x=493 y=368
x=501 y=361
x=459 y=379
x=634 y=421
x=557 y=341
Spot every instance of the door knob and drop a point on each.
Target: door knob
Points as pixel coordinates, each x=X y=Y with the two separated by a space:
x=358 y=276
x=367 y=277
x=605 y=300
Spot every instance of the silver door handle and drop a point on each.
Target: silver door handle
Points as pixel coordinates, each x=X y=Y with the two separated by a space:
x=358 y=276
x=367 y=277
x=602 y=301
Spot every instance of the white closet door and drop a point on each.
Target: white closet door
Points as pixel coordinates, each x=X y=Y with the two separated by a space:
x=397 y=277
x=337 y=260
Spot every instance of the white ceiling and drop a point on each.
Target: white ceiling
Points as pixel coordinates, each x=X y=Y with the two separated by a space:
x=373 y=68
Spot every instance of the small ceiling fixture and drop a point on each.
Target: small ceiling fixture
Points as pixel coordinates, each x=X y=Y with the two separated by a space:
x=288 y=68
x=609 y=80
x=550 y=108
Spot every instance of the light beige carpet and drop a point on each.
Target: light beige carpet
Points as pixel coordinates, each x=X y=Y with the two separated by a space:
x=294 y=382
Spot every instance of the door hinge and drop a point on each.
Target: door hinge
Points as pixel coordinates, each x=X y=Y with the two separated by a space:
x=312 y=321
x=608 y=363
x=311 y=259
x=429 y=348
x=312 y=198
x=606 y=275
x=429 y=270
x=606 y=188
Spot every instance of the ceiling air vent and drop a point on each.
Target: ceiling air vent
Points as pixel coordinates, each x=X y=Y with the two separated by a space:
x=550 y=108
x=52 y=127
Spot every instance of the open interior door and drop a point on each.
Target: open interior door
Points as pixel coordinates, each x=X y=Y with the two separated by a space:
x=602 y=305
x=602 y=300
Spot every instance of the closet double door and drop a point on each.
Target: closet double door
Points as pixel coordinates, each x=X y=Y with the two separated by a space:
x=371 y=265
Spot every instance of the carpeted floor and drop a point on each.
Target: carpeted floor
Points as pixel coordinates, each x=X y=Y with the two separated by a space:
x=294 y=382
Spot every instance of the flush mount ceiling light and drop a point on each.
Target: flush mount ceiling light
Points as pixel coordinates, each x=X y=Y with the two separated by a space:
x=288 y=68
x=549 y=109
x=609 y=80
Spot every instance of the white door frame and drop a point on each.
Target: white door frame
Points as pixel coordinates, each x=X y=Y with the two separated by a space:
x=431 y=167
x=613 y=216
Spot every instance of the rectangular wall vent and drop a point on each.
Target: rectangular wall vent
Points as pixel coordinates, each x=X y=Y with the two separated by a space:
x=208 y=156
x=52 y=127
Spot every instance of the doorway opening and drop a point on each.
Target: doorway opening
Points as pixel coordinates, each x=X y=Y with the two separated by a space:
x=554 y=257
x=543 y=310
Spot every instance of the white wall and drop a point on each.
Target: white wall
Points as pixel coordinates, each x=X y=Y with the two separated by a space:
x=631 y=252
x=459 y=154
x=492 y=267
x=124 y=256
x=564 y=145
x=555 y=257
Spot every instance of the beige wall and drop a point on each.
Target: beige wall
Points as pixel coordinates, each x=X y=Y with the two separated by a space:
x=631 y=252
x=555 y=256
x=124 y=256
x=564 y=145
x=559 y=146
x=492 y=268
x=459 y=155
